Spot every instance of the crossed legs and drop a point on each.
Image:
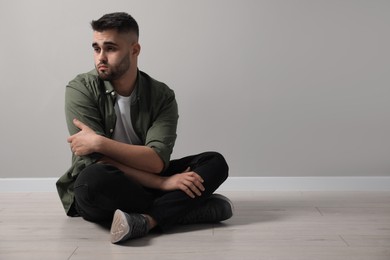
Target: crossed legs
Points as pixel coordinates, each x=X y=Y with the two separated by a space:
x=101 y=189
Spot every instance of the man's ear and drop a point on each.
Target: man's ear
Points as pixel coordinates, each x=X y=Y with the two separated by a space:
x=136 y=49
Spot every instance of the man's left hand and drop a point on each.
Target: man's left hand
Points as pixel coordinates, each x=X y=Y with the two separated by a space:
x=85 y=141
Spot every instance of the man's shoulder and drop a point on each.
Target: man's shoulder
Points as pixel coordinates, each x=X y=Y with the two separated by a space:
x=154 y=85
x=88 y=82
x=85 y=78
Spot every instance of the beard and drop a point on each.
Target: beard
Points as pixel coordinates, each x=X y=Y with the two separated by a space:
x=114 y=72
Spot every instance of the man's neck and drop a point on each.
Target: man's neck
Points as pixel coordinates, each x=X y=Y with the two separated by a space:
x=126 y=84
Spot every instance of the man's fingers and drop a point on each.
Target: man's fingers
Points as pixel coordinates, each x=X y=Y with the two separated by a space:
x=189 y=191
x=193 y=187
x=78 y=123
x=197 y=180
x=195 y=176
x=194 y=182
x=200 y=186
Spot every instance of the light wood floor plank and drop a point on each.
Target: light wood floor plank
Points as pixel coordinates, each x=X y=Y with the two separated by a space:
x=266 y=225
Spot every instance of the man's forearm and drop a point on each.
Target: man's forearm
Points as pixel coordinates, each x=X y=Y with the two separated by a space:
x=188 y=181
x=138 y=157
x=145 y=179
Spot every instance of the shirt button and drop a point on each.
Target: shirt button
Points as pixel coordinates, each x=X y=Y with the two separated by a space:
x=113 y=93
x=111 y=130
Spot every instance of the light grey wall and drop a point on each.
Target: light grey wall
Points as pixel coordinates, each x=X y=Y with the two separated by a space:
x=281 y=88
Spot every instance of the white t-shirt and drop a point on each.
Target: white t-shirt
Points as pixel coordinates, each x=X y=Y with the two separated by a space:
x=124 y=131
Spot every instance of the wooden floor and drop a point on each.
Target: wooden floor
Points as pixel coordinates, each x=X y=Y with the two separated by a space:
x=266 y=225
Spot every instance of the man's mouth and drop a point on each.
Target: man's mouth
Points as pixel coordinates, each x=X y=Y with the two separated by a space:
x=102 y=66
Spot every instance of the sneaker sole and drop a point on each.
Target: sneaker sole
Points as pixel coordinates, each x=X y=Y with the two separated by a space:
x=119 y=228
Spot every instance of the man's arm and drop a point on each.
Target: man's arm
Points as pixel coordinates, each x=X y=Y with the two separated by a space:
x=139 y=157
x=86 y=141
x=81 y=104
x=188 y=181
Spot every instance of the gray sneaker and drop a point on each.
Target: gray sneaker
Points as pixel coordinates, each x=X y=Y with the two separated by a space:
x=126 y=226
x=215 y=209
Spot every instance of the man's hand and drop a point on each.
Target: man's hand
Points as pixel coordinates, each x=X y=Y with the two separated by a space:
x=188 y=181
x=84 y=142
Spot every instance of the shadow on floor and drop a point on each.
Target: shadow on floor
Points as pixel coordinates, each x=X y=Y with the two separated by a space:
x=245 y=213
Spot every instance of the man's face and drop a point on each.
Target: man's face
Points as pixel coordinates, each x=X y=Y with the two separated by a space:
x=112 y=54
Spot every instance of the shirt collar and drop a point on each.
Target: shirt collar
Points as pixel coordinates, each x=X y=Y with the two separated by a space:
x=109 y=89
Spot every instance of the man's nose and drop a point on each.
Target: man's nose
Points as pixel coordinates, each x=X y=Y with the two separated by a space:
x=102 y=56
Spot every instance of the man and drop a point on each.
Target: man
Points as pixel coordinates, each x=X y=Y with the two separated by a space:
x=123 y=128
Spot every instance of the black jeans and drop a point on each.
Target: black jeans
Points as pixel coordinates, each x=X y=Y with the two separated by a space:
x=100 y=189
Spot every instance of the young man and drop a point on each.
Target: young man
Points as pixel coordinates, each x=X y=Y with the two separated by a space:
x=123 y=128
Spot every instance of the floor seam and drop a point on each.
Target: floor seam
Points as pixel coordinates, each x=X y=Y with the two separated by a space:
x=341 y=237
x=74 y=251
x=318 y=209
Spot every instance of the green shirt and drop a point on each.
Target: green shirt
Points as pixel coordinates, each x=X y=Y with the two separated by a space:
x=154 y=116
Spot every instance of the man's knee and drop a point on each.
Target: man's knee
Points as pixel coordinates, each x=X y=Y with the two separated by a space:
x=88 y=189
x=223 y=166
x=96 y=176
x=219 y=163
x=88 y=182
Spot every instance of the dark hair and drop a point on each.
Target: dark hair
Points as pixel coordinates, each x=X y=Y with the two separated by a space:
x=122 y=22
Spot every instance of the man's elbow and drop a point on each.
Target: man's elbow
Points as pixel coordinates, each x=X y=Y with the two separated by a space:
x=157 y=163
x=157 y=167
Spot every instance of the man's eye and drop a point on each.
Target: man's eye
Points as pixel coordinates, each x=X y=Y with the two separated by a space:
x=96 y=50
x=110 y=49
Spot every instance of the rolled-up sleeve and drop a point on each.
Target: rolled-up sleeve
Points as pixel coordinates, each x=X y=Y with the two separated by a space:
x=161 y=136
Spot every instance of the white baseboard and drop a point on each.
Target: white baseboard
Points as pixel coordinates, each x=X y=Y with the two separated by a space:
x=376 y=183
x=28 y=184
x=355 y=183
